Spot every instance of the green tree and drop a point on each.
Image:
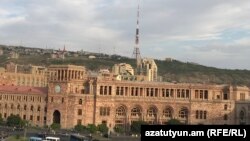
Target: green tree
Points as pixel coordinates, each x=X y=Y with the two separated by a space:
x=136 y=126
x=80 y=128
x=55 y=126
x=91 y=128
x=174 y=122
x=14 y=120
x=103 y=128
x=119 y=129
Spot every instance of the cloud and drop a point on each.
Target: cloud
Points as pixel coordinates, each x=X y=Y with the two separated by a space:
x=188 y=30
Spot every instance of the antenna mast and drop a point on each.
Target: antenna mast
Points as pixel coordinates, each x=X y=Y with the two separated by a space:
x=136 y=52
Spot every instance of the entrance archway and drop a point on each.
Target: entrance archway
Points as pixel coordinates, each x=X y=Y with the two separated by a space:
x=56 y=117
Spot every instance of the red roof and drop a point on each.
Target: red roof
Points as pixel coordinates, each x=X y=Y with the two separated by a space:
x=23 y=90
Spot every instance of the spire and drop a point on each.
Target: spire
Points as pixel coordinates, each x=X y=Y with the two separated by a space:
x=136 y=52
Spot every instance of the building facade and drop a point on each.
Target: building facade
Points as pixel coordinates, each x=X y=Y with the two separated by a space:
x=73 y=97
x=25 y=75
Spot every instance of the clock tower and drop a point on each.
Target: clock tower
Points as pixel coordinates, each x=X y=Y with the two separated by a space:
x=67 y=84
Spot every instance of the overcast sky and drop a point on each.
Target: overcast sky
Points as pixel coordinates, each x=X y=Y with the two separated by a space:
x=209 y=32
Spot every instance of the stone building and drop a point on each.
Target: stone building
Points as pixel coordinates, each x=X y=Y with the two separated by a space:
x=73 y=97
x=25 y=75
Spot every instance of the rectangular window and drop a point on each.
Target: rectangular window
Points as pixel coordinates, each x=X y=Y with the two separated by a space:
x=79 y=122
x=31 y=118
x=101 y=90
x=225 y=96
x=178 y=93
x=196 y=94
x=38 y=118
x=206 y=94
x=79 y=112
x=104 y=111
x=242 y=96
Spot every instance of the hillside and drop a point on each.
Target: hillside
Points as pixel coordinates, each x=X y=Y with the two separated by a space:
x=171 y=71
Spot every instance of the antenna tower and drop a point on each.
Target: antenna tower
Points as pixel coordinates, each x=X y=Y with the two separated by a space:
x=136 y=52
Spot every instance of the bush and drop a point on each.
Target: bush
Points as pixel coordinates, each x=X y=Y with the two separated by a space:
x=174 y=122
x=119 y=129
x=136 y=126
x=103 y=128
x=15 y=120
x=91 y=128
x=80 y=128
x=55 y=126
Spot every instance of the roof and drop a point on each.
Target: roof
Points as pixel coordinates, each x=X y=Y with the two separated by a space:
x=23 y=90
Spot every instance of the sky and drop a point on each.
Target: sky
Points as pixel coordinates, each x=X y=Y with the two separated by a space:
x=208 y=32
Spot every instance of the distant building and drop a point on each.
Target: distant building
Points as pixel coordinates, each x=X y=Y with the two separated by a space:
x=1 y=52
x=169 y=59
x=59 y=54
x=123 y=69
x=92 y=57
x=149 y=69
x=26 y=75
x=14 y=55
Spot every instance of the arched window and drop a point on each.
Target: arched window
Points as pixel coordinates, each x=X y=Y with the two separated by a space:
x=31 y=107
x=152 y=112
x=25 y=107
x=18 y=106
x=168 y=112
x=136 y=111
x=6 y=106
x=183 y=113
x=12 y=106
x=121 y=111
x=242 y=115
x=38 y=108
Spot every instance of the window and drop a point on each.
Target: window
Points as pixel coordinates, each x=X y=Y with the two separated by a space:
x=80 y=101
x=201 y=94
x=79 y=112
x=39 y=109
x=167 y=112
x=25 y=107
x=104 y=111
x=38 y=118
x=32 y=108
x=205 y=115
x=151 y=112
x=183 y=113
x=121 y=111
x=31 y=118
x=62 y=100
x=196 y=94
x=136 y=111
x=79 y=122
x=242 y=96
x=225 y=95
x=101 y=90
x=225 y=117
x=199 y=114
x=225 y=107
x=206 y=94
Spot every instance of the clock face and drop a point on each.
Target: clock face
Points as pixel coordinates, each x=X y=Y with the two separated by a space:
x=57 y=89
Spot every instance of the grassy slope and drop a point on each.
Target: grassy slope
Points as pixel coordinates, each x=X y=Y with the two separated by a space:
x=170 y=71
